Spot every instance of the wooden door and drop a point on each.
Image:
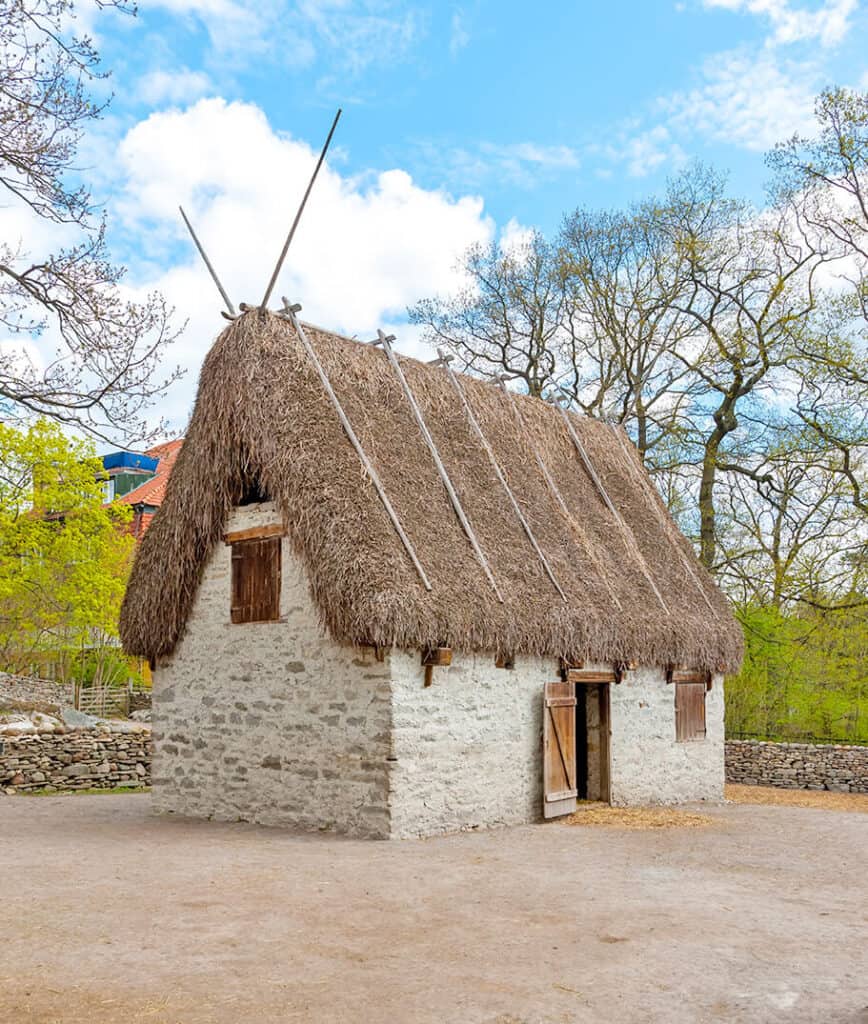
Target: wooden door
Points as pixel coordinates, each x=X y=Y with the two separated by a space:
x=559 y=749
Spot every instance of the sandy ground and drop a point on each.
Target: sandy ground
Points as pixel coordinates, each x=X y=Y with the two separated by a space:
x=112 y=916
x=798 y=798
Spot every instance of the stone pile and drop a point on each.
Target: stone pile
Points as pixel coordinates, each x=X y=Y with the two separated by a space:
x=72 y=751
x=797 y=765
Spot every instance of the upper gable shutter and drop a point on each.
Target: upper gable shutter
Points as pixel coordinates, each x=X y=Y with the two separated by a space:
x=256 y=571
x=559 y=749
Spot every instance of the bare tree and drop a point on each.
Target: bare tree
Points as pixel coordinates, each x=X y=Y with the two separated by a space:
x=508 y=318
x=620 y=351
x=97 y=350
x=789 y=532
x=750 y=285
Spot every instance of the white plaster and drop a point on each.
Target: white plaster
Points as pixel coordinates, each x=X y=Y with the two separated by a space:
x=468 y=748
x=649 y=766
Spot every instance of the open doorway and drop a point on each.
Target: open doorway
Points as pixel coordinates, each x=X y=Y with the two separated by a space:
x=592 y=741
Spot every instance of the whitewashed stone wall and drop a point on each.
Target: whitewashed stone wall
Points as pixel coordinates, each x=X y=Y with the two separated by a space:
x=275 y=723
x=468 y=749
x=270 y=722
x=648 y=765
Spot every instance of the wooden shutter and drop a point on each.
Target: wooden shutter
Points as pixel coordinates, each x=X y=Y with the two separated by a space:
x=689 y=711
x=559 y=749
x=256 y=580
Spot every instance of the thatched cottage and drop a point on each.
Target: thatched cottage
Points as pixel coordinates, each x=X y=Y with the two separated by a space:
x=387 y=599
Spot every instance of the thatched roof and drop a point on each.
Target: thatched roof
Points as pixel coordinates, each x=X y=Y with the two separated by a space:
x=261 y=414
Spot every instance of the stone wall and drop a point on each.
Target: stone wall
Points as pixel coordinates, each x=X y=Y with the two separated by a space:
x=39 y=691
x=649 y=766
x=466 y=751
x=270 y=721
x=797 y=765
x=90 y=759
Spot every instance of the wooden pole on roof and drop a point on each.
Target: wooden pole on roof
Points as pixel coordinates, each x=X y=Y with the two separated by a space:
x=289 y=312
x=386 y=341
x=642 y=485
x=444 y=360
x=298 y=214
x=630 y=542
x=549 y=479
x=209 y=265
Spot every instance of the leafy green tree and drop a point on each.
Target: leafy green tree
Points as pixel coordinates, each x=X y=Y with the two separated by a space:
x=64 y=554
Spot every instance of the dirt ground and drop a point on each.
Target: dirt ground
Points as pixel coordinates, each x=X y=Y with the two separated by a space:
x=113 y=916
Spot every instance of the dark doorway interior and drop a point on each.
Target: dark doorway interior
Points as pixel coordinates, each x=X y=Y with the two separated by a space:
x=592 y=741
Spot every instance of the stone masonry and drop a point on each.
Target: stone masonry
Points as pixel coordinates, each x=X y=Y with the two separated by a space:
x=269 y=721
x=648 y=765
x=797 y=765
x=89 y=759
x=275 y=723
x=25 y=688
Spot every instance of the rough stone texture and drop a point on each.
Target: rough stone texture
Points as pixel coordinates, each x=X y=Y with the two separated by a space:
x=92 y=759
x=139 y=700
x=797 y=765
x=468 y=748
x=275 y=723
x=270 y=722
x=25 y=688
x=649 y=766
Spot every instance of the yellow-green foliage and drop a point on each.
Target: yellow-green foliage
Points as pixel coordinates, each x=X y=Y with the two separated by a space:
x=64 y=555
x=804 y=674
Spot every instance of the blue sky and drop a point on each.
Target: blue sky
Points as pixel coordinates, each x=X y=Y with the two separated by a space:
x=462 y=122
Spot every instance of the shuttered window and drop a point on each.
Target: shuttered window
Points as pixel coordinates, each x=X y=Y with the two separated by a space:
x=689 y=711
x=256 y=580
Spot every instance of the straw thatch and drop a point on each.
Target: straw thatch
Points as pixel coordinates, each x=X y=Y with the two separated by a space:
x=262 y=419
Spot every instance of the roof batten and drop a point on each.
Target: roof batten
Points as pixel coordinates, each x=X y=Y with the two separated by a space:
x=386 y=341
x=552 y=486
x=626 y=533
x=474 y=423
x=290 y=313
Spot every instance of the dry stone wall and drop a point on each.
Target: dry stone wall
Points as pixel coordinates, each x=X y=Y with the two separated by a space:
x=90 y=759
x=797 y=765
x=25 y=688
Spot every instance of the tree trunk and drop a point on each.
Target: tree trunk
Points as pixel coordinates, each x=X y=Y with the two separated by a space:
x=725 y=421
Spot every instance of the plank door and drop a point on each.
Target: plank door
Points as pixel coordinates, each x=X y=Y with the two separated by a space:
x=559 y=749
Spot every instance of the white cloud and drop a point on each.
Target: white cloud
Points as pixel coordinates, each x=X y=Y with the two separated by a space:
x=179 y=86
x=829 y=23
x=522 y=164
x=749 y=100
x=459 y=34
x=367 y=247
x=515 y=236
x=641 y=151
x=360 y=33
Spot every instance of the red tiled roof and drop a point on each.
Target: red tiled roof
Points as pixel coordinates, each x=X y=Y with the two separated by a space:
x=152 y=491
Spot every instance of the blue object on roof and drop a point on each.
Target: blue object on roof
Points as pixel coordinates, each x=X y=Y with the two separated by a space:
x=129 y=460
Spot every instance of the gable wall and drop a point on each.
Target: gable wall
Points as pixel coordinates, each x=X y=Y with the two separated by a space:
x=270 y=722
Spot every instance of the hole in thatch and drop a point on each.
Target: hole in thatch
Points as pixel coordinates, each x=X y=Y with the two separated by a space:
x=253 y=492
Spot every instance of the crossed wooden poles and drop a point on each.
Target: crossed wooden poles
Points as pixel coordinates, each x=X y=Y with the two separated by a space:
x=290 y=311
